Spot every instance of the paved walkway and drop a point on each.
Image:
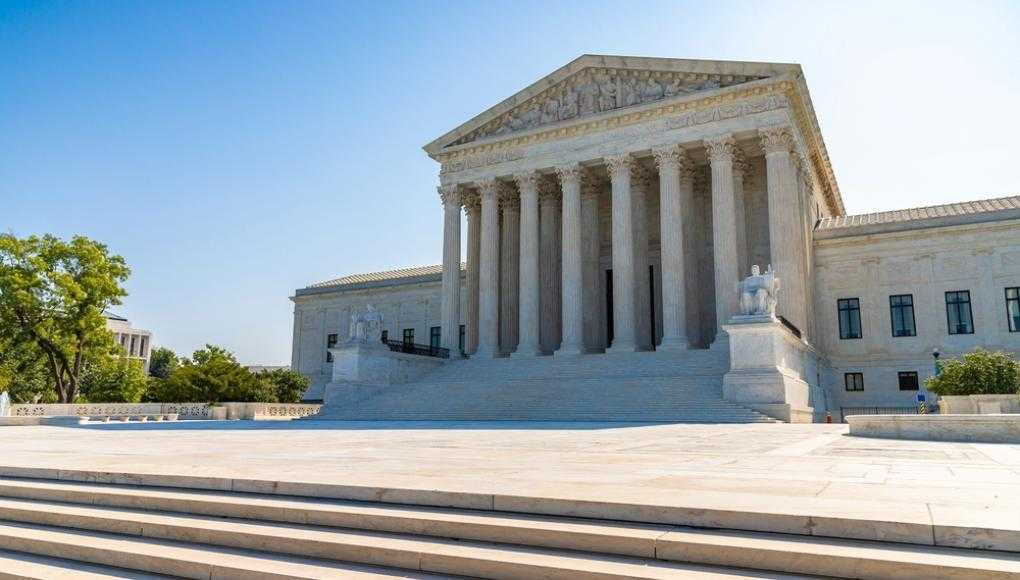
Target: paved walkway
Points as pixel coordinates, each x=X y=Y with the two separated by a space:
x=812 y=469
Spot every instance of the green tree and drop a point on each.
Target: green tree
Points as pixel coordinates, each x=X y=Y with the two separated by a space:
x=288 y=385
x=52 y=296
x=979 y=372
x=23 y=373
x=162 y=362
x=109 y=379
x=212 y=375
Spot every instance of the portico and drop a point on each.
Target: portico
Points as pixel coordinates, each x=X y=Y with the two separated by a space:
x=623 y=199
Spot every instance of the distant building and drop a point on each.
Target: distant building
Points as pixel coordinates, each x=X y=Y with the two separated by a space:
x=136 y=343
x=259 y=369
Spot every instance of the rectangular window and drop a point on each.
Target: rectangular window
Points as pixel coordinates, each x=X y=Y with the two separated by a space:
x=435 y=336
x=901 y=307
x=958 y=313
x=330 y=343
x=1013 y=308
x=408 y=336
x=853 y=381
x=460 y=340
x=908 y=381
x=849 y=318
x=385 y=336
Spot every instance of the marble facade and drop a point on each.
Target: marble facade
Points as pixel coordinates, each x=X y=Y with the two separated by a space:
x=616 y=204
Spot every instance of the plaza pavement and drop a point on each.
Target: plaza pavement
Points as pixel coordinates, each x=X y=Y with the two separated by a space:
x=899 y=490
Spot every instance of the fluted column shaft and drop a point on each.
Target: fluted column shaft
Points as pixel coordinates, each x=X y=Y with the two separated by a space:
x=721 y=153
x=549 y=204
x=740 y=168
x=672 y=247
x=623 y=254
x=572 y=302
x=488 y=272
x=509 y=284
x=785 y=241
x=527 y=185
x=450 y=301
x=644 y=330
x=473 y=209
x=592 y=287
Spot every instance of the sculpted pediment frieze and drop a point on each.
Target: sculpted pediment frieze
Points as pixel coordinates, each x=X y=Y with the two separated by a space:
x=593 y=91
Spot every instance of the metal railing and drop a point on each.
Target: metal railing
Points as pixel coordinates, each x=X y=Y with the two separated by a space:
x=418 y=349
x=845 y=411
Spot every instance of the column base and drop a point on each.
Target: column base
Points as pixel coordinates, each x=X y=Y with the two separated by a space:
x=483 y=353
x=673 y=343
x=524 y=351
x=568 y=349
x=622 y=347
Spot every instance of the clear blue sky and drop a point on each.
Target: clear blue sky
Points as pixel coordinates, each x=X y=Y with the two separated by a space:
x=235 y=151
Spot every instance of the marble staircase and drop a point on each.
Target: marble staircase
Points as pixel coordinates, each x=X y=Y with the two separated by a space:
x=644 y=386
x=54 y=528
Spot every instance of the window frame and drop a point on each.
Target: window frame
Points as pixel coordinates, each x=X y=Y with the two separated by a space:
x=435 y=336
x=957 y=304
x=858 y=386
x=900 y=375
x=902 y=308
x=849 y=309
x=462 y=337
x=1013 y=327
x=407 y=336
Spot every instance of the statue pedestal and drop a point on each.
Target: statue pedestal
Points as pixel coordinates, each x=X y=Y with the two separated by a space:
x=359 y=366
x=770 y=369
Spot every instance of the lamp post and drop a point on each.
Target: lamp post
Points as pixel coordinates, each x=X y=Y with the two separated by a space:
x=935 y=354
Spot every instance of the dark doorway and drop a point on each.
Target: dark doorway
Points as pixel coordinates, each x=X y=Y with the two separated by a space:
x=651 y=300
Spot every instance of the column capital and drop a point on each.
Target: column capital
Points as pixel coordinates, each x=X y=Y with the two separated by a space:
x=569 y=174
x=449 y=194
x=721 y=148
x=740 y=164
x=776 y=139
x=471 y=201
x=670 y=157
x=488 y=188
x=527 y=181
x=548 y=191
x=617 y=163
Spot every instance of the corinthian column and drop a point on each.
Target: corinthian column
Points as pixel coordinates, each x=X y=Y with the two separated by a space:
x=488 y=272
x=510 y=263
x=721 y=151
x=473 y=208
x=644 y=330
x=671 y=234
x=623 y=254
x=785 y=243
x=527 y=185
x=450 y=303
x=571 y=302
x=549 y=202
x=740 y=170
x=592 y=286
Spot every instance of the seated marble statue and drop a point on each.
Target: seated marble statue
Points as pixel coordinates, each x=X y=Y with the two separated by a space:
x=758 y=293
x=366 y=326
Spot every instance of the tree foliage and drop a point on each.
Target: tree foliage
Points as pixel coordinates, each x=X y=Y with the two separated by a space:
x=211 y=375
x=52 y=296
x=162 y=362
x=980 y=372
x=109 y=379
x=288 y=385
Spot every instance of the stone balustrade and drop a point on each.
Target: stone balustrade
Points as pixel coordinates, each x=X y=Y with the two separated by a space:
x=182 y=410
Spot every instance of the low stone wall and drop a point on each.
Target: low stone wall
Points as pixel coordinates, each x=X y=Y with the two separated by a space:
x=969 y=428
x=979 y=404
x=182 y=410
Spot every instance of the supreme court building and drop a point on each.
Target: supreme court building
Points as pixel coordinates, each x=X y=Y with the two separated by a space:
x=614 y=206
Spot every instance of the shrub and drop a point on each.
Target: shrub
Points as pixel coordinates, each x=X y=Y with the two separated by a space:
x=979 y=372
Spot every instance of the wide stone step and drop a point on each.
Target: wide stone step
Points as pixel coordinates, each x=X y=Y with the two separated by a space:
x=32 y=567
x=420 y=538
x=208 y=548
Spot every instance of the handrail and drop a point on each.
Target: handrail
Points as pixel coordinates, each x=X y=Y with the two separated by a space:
x=418 y=349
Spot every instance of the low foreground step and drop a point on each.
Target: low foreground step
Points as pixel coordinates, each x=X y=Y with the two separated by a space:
x=205 y=525
x=31 y=567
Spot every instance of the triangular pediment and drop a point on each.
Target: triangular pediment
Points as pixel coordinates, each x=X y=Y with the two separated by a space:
x=595 y=85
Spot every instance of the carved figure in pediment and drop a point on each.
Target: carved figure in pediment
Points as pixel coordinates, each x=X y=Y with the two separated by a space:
x=551 y=111
x=531 y=117
x=589 y=97
x=568 y=104
x=607 y=93
x=629 y=95
x=514 y=122
x=652 y=91
x=708 y=85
